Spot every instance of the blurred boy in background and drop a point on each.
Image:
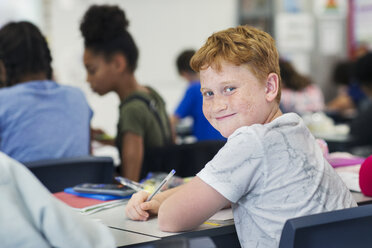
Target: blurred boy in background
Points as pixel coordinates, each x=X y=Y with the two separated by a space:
x=192 y=101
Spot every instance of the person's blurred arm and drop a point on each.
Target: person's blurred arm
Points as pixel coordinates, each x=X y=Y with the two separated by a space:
x=174 y=120
x=341 y=102
x=44 y=220
x=100 y=136
x=132 y=156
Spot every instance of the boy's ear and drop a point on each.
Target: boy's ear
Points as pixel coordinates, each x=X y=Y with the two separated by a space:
x=272 y=87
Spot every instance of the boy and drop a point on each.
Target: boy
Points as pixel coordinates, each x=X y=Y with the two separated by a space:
x=271 y=168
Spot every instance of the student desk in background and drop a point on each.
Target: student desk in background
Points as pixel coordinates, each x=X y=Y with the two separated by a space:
x=361 y=199
x=350 y=176
x=337 y=142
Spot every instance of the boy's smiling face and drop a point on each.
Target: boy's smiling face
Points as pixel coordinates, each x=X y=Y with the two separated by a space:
x=233 y=97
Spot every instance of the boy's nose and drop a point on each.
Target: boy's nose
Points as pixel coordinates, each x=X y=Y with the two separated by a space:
x=219 y=104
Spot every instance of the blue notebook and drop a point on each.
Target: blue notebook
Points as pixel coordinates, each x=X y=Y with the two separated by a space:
x=95 y=196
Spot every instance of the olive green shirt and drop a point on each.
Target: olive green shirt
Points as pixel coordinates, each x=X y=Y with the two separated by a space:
x=136 y=116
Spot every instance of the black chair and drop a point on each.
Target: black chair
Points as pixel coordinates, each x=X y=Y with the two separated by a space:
x=350 y=227
x=186 y=159
x=58 y=174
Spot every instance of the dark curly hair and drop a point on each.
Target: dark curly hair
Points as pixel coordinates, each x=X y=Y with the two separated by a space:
x=24 y=51
x=362 y=70
x=104 y=29
x=342 y=72
x=183 y=61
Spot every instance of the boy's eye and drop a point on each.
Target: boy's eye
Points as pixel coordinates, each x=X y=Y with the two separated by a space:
x=207 y=93
x=229 y=89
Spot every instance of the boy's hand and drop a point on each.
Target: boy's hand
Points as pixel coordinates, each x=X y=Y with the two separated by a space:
x=138 y=209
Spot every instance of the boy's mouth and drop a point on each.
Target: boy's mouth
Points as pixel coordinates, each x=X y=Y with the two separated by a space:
x=220 y=118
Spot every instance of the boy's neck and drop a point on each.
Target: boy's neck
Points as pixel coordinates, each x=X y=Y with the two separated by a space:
x=275 y=113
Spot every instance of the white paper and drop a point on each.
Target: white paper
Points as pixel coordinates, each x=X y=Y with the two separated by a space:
x=350 y=176
x=222 y=215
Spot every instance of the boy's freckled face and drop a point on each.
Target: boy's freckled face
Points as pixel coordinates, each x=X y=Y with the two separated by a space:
x=232 y=98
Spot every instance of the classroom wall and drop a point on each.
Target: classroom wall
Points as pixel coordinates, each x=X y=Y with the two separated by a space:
x=161 y=29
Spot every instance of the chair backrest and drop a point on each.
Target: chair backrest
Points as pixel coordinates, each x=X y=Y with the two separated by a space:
x=58 y=174
x=350 y=227
x=186 y=159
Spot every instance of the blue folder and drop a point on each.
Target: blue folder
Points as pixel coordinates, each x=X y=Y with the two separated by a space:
x=95 y=196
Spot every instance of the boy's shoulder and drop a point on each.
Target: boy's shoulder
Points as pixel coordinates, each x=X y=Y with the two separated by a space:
x=283 y=121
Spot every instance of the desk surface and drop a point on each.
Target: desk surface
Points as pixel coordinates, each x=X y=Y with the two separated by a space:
x=361 y=199
x=128 y=232
x=125 y=238
x=115 y=218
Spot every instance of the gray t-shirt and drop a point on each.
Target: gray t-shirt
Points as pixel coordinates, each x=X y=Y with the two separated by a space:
x=271 y=173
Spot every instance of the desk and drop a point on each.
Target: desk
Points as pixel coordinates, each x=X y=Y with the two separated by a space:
x=361 y=199
x=337 y=142
x=125 y=238
x=350 y=176
x=130 y=232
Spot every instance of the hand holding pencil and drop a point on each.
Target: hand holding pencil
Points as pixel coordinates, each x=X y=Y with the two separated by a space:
x=142 y=204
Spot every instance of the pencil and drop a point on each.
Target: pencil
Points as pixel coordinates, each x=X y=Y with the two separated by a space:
x=161 y=184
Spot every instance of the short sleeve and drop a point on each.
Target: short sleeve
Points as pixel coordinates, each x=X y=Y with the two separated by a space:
x=133 y=118
x=236 y=169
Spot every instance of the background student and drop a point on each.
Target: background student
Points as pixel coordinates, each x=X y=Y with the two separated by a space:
x=360 y=127
x=32 y=217
x=191 y=104
x=350 y=97
x=271 y=167
x=110 y=58
x=39 y=119
x=299 y=94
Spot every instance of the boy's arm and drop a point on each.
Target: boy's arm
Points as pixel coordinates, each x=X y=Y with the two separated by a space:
x=189 y=206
